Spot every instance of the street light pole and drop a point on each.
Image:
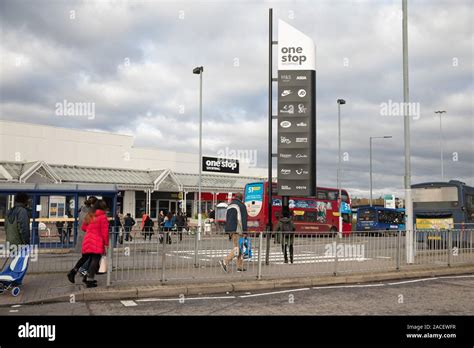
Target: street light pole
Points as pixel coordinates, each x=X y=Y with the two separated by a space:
x=440 y=113
x=339 y=103
x=370 y=146
x=199 y=71
x=409 y=236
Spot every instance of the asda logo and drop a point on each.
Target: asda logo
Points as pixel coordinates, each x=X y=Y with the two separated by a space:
x=292 y=55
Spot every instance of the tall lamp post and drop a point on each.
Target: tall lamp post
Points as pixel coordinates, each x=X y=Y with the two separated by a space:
x=440 y=113
x=370 y=146
x=198 y=71
x=339 y=103
x=409 y=236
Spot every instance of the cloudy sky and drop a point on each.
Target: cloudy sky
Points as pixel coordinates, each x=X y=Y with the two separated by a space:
x=134 y=60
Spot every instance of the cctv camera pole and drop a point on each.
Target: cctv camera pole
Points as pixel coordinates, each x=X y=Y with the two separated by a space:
x=409 y=240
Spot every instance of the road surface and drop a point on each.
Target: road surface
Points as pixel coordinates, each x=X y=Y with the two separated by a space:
x=450 y=295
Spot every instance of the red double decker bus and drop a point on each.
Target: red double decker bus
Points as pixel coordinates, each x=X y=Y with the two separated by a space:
x=318 y=214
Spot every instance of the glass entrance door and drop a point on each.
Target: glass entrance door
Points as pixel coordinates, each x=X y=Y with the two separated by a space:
x=167 y=206
x=173 y=206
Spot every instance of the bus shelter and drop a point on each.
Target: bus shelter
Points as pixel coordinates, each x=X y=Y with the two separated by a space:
x=54 y=209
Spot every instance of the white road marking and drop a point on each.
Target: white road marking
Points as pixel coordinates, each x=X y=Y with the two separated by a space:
x=128 y=303
x=275 y=257
x=248 y=294
x=16 y=306
x=347 y=286
x=185 y=298
x=459 y=276
x=13 y=310
x=274 y=292
x=412 y=281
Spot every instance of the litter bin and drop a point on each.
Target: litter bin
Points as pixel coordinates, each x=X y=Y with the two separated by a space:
x=221 y=210
x=207 y=226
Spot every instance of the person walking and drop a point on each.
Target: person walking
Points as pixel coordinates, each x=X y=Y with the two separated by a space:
x=117 y=230
x=69 y=227
x=17 y=222
x=169 y=222
x=180 y=224
x=83 y=211
x=128 y=223
x=285 y=234
x=86 y=208
x=60 y=229
x=96 y=239
x=235 y=225
x=147 y=226
x=161 y=220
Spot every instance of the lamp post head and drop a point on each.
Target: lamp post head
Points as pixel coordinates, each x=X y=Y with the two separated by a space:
x=440 y=112
x=341 y=101
x=198 y=70
x=387 y=136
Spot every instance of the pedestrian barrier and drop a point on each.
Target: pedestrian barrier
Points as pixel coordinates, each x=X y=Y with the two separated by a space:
x=182 y=256
x=195 y=257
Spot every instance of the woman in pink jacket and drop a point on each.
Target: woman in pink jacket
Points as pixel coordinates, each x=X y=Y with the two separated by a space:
x=96 y=239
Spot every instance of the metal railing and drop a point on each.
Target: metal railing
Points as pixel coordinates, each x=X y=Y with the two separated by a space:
x=194 y=256
x=187 y=256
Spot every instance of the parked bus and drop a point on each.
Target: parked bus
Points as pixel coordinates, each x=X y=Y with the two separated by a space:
x=310 y=215
x=444 y=206
x=380 y=219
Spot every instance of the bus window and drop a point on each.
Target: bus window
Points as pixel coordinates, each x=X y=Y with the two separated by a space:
x=367 y=215
x=311 y=216
x=346 y=218
x=322 y=195
x=333 y=196
x=470 y=208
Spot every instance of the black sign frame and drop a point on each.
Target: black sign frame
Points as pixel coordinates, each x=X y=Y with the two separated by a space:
x=220 y=165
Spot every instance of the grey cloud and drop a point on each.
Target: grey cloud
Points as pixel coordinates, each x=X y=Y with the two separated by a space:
x=83 y=60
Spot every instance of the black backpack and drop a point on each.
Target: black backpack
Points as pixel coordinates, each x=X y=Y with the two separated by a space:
x=149 y=222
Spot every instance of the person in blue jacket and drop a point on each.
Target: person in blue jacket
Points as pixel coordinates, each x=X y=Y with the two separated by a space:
x=169 y=222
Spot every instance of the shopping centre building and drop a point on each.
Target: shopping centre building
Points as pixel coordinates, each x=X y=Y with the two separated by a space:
x=63 y=166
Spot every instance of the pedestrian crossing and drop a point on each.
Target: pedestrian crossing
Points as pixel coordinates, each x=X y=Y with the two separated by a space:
x=276 y=257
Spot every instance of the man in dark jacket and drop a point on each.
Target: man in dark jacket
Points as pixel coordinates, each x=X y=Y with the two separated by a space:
x=17 y=223
x=286 y=235
x=235 y=225
x=180 y=224
x=128 y=223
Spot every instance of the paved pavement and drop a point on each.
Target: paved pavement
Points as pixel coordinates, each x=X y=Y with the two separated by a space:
x=413 y=297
